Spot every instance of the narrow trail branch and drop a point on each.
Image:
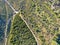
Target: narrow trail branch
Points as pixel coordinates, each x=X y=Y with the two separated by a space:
x=6 y=25
x=37 y=39
x=11 y=6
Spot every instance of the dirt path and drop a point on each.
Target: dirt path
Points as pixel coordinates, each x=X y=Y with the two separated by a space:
x=36 y=38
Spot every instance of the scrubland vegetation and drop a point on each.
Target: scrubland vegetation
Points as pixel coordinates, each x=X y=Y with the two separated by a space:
x=42 y=17
x=20 y=34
